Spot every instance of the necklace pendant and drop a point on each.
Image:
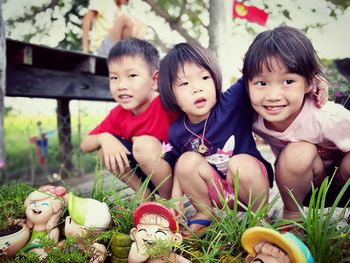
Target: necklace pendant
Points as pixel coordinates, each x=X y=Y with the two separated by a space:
x=202 y=148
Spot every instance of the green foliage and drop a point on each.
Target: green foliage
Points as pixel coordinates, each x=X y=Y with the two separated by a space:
x=12 y=198
x=337 y=82
x=323 y=238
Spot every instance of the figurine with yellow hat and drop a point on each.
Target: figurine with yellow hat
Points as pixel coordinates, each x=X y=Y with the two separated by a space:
x=153 y=221
x=84 y=214
x=269 y=246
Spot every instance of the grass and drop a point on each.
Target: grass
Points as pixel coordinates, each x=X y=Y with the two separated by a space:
x=12 y=198
x=222 y=243
x=20 y=154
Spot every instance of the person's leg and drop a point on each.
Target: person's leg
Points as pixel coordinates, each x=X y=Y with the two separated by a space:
x=253 y=182
x=130 y=175
x=344 y=170
x=147 y=151
x=194 y=174
x=298 y=165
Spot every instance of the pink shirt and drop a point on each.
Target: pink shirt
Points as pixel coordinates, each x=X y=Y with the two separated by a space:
x=328 y=128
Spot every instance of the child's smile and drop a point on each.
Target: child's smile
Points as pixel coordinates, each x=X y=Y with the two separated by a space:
x=277 y=95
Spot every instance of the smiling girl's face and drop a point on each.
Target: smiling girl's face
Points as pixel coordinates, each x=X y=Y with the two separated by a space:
x=278 y=95
x=40 y=211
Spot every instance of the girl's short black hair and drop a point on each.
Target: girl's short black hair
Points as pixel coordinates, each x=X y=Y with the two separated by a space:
x=289 y=46
x=175 y=59
x=135 y=47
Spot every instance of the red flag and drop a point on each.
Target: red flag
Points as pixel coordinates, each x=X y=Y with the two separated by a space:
x=251 y=13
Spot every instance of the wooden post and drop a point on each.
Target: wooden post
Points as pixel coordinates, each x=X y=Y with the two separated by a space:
x=2 y=93
x=64 y=137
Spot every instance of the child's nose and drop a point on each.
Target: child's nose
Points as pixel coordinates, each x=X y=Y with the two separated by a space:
x=274 y=93
x=196 y=87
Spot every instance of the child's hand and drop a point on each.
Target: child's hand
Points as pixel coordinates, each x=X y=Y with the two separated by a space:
x=320 y=91
x=114 y=153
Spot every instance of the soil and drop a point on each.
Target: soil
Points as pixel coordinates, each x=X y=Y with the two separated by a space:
x=10 y=230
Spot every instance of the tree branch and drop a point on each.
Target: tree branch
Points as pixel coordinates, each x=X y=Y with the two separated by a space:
x=174 y=23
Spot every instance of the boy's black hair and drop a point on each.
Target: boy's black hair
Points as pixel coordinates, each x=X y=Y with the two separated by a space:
x=289 y=46
x=135 y=47
x=175 y=59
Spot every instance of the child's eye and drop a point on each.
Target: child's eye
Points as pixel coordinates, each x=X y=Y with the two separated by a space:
x=206 y=77
x=113 y=78
x=261 y=83
x=288 y=81
x=183 y=83
x=132 y=75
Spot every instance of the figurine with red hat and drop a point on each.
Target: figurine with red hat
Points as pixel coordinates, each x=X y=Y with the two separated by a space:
x=153 y=221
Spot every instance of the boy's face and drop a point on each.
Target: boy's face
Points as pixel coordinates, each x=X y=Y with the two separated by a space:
x=277 y=95
x=131 y=83
x=194 y=92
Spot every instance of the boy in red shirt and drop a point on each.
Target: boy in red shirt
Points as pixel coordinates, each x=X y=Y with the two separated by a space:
x=131 y=136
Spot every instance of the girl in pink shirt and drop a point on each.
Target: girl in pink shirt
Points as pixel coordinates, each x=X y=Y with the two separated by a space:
x=280 y=70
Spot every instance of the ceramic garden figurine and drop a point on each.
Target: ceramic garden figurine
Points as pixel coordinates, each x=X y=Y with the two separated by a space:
x=153 y=222
x=43 y=209
x=269 y=246
x=84 y=214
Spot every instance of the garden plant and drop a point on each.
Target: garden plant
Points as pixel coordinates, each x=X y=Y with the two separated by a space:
x=327 y=241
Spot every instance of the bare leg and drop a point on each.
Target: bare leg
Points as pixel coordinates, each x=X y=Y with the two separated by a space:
x=252 y=183
x=129 y=177
x=147 y=151
x=344 y=169
x=195 y=175
x=298 y=165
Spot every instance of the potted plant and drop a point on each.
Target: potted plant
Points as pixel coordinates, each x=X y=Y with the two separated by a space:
x=14 y=233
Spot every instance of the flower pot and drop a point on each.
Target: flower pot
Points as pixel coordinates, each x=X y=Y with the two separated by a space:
x=10 y=244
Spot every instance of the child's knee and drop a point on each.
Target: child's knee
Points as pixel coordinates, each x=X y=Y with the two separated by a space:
x=248 y=169
x=297 y=157
x=188 y=162
x=146 y=148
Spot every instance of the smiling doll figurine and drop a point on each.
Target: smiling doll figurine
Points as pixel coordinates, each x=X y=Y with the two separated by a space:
x=269 y=246
x=86 y=214
x=43 y=209
x=153 y=222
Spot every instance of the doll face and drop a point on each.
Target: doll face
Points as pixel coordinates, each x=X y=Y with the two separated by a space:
x=39 y=211
x=146 y=234
x=71 y=228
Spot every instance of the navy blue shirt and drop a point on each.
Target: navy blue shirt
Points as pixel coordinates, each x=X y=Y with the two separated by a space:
x=232 y=115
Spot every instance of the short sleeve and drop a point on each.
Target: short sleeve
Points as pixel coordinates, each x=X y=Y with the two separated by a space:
x=337 y=127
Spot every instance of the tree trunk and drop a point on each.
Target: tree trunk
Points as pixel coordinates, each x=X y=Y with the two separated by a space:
x=217 y=34
x=2 y=92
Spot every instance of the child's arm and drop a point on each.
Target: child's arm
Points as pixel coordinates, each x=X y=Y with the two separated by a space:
x=114 y=152
x=87 y=20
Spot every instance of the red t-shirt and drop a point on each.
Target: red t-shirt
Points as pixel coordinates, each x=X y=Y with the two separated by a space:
x=155 y=121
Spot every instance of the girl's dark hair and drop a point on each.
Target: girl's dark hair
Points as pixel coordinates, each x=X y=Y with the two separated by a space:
x=289 y=46
x=175 y=59
x=135 y=47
